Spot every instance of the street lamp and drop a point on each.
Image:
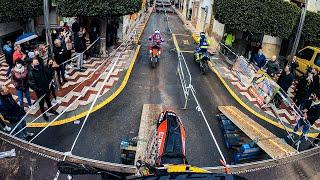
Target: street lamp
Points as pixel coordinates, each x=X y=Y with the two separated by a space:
x=299 y=31
x=205 y=19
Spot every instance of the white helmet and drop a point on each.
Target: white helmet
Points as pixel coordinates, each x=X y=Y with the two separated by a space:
x=157 y=32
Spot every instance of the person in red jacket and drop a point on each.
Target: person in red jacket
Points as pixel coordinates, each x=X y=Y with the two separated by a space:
x=18 y=54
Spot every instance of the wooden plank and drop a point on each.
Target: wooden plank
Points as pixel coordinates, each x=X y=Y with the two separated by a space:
x=271 y=144
x=148 y=124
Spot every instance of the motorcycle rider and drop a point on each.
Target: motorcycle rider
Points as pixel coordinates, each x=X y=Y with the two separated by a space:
x=203 y=46
x=156 y=39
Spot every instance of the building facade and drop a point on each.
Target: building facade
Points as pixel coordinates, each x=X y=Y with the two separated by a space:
x=195 y=11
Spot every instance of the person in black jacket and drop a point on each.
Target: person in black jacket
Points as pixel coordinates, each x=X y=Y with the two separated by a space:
x=79 y=48
x=272 y=67
x=52 y=85
x=12 y=112
x=39 y=82
x=286 y=78
x=60 y=56
x=8 y=55
x=303 y=90
x=315 y=81
x=310 y=116
x=293 y=66
x=285 y=81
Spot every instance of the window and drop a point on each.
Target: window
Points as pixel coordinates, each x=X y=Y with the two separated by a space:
x=317 y=60
x=306 y=54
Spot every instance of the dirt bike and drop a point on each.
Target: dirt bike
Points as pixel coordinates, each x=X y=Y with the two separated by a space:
x=203 y=62
x=155 y=52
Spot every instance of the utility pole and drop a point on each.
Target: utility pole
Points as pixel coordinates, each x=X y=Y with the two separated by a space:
x=47 y=26
x=299 y=31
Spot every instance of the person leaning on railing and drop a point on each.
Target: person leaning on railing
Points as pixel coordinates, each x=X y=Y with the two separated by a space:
x=39 y=82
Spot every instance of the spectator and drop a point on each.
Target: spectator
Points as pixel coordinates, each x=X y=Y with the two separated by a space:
x=285 y=81
x=286 y=78
x=304 y=89
x=311 y=115
x=18 y=54
x=60 y=56
x=293 y=66
x=42 y=51
x=255 y=48
x=229 y=39
x=21 y=83
x=273 y=67
x=259 y=59
x=12 y=112
x=84 y=42
x=39 y=82
x=54 y=34
x=79 y=48
x=25 y=47
x=8 y=53
x=52 y=85
x=93 y=36
x=66 y=26
x=69 y=47
x=75 y=26
x=315 y=82
x=5 y=127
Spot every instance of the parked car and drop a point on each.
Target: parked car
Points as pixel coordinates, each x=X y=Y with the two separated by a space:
x=308 y=57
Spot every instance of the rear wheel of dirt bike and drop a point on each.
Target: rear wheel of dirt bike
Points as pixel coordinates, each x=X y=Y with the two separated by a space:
x=204 y=67
x=153 y=62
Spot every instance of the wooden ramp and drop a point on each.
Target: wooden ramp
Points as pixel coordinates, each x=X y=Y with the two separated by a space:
x=267 y=141
x=147 y=132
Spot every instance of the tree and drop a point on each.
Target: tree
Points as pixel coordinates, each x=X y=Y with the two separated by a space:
x=311 y=28
x=19 y=10
x=272 y=17
x=100 y=8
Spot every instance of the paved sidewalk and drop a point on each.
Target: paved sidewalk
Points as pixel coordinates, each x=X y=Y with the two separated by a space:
x=78 y=83
x=267 y=112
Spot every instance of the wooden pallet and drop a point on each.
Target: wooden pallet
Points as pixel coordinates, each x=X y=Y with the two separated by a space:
x=147 y=138
x=272 y=145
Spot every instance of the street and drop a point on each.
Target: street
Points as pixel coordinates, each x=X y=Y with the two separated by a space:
x=80 y=95
x=120 y=119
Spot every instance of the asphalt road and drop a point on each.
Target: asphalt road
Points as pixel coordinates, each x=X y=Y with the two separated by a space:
x=101 y=137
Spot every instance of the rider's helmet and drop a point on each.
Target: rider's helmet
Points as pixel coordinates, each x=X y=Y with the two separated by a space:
x=202 y=35
x=157 y=31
